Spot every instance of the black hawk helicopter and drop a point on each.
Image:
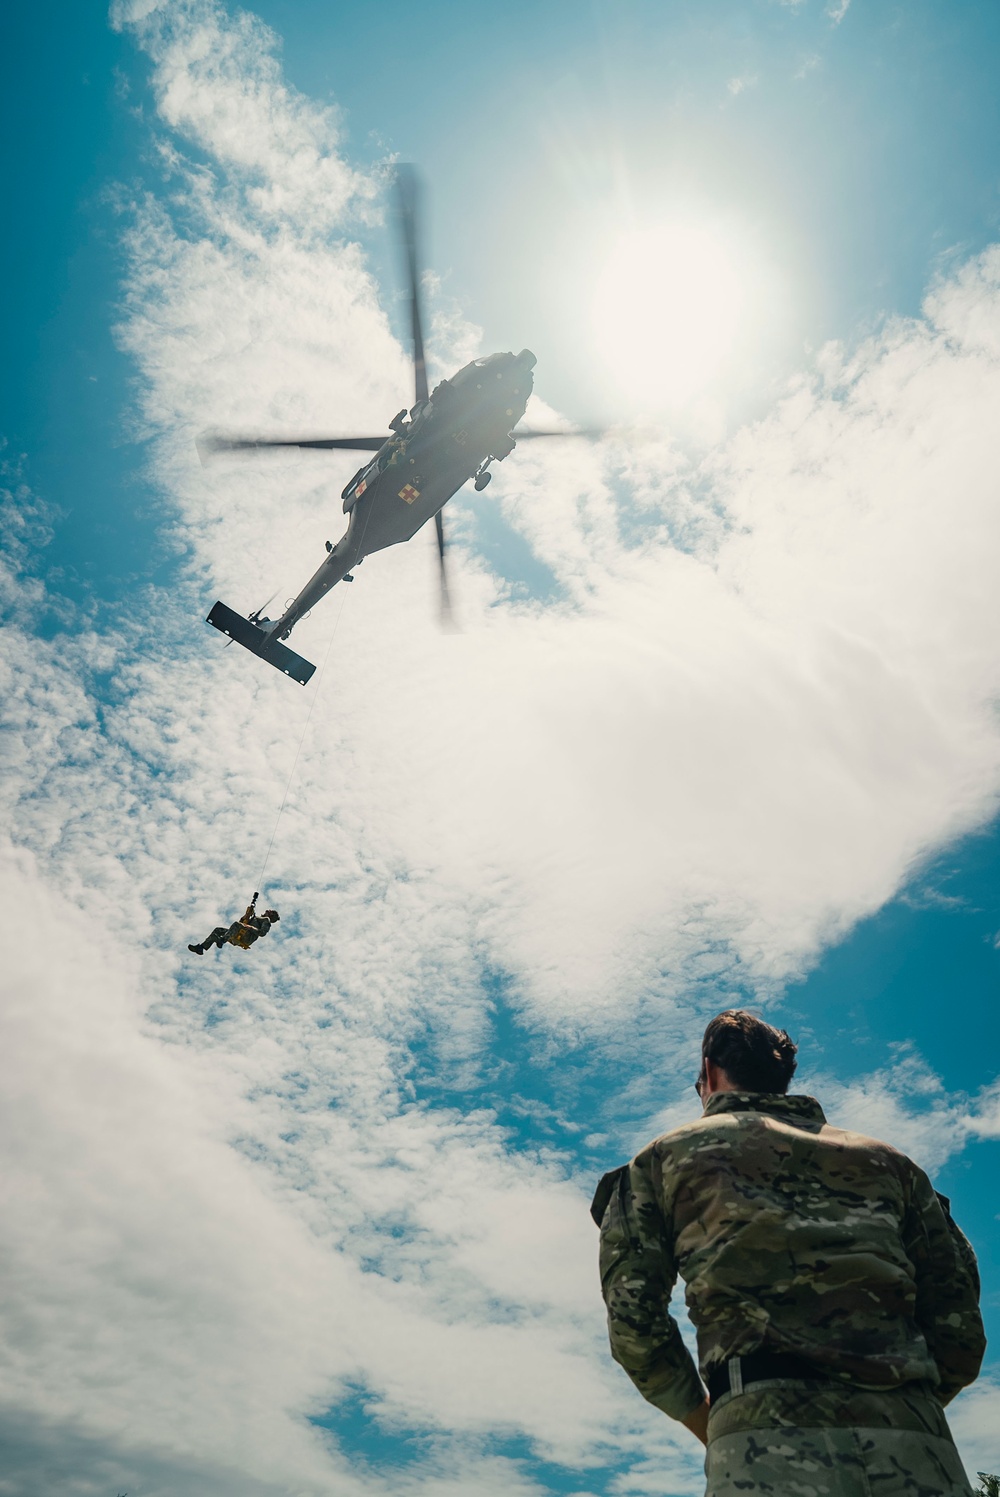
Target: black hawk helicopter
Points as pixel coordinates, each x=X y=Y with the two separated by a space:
x=446 y=437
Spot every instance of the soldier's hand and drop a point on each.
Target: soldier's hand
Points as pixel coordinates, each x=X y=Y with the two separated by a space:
x=697 y=1422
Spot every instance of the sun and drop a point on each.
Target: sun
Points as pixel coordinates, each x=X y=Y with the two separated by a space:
x=669 y=310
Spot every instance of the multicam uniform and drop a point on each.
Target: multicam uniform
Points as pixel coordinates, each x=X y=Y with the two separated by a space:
x=797 y=1241
x=241 y=933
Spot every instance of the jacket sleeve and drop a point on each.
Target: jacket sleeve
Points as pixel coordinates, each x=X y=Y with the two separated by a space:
x=638 y=1274
x=947 y=1278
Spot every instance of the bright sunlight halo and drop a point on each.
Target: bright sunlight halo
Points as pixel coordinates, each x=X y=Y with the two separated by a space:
x=668 y=311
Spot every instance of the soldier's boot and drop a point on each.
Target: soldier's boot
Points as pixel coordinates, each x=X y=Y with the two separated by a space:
x=198 y=950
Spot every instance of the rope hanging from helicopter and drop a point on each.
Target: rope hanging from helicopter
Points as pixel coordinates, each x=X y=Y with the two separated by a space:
x=247 y=930
x=305 y=729
x=302 y=739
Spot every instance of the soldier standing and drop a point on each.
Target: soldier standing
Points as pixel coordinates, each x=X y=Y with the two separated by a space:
x=836 y=1303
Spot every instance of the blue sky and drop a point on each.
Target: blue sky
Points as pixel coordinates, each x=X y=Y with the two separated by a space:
x=720 y=726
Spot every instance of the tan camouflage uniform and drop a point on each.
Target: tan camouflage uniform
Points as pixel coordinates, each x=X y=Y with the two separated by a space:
x=794 y=1237
x=242 y=933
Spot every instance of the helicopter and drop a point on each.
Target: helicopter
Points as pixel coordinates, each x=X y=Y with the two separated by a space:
x=449 y=435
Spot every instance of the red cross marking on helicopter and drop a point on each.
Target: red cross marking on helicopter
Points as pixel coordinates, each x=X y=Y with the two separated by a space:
x=409 y=493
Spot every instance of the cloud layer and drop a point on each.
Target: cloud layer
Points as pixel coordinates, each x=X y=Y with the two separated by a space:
x=249 y=1190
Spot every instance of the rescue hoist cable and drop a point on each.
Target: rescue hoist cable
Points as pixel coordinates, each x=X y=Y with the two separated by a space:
x=302 y=739
x=312 y=706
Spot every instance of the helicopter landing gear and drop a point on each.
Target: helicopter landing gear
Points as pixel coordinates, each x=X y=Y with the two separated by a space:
x=482 y=479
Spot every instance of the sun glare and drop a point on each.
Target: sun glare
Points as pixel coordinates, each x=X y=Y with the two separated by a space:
x=668 y=312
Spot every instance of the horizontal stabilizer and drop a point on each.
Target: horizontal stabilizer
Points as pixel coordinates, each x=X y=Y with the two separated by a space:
x=227 y=621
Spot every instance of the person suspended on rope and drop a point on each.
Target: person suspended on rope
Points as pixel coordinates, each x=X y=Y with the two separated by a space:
x=242 y=932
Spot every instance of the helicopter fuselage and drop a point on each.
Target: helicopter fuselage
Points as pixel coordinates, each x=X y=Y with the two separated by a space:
x=453 y=436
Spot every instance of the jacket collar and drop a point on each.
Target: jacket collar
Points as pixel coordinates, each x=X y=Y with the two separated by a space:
x=800 y=1112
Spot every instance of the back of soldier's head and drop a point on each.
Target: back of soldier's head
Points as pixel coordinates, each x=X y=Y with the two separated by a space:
x=755 y=1056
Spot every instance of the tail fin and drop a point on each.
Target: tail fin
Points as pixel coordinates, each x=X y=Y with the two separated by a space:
x=260 y=643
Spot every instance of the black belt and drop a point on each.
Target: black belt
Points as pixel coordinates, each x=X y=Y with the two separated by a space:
x=736 y=1374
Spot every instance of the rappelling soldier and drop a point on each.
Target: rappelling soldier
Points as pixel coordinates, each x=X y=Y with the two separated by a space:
x=242 y=932
x=835 y=1301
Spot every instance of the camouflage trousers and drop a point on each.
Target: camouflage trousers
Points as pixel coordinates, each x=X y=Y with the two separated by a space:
x=846 y=1445
x=223 y=934
x=219 y=937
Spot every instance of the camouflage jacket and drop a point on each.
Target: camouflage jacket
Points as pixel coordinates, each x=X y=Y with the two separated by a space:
x=244 y=932
x=790 y=1236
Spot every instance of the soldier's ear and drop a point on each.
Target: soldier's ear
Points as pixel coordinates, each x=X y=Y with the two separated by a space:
x=714 y=1079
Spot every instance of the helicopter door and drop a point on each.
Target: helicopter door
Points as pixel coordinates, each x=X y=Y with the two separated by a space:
x=359 y=483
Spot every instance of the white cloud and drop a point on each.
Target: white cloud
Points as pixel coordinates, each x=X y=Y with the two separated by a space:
x=141 y=1251
x=905 y=1104
x=182 y=1300
x=695 y=762
x=218 y=83
x=974 y=1420
x=985 y=1119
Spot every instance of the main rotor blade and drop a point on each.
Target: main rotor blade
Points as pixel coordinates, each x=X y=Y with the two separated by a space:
x=446 y=614
x=583 y=431
x=208 y=446
x=407 y=192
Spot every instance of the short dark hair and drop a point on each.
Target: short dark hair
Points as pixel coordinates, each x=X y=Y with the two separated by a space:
x=755 y=1056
